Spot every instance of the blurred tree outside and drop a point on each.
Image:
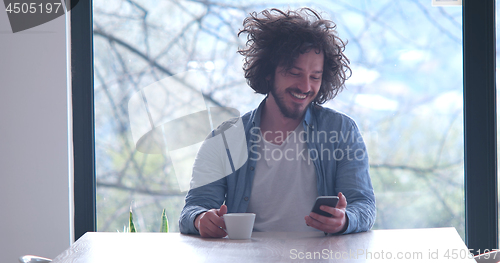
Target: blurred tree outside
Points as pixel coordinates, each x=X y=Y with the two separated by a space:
x=405 y=93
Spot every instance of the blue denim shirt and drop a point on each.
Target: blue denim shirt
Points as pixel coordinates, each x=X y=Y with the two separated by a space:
x=339 y=154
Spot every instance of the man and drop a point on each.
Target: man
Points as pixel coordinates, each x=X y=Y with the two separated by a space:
x=297 y=150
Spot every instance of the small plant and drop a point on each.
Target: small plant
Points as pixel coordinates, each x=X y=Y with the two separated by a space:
x=131 y=226
x=164 y=222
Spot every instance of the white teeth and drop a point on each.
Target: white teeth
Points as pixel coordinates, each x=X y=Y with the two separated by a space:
x=299 y=96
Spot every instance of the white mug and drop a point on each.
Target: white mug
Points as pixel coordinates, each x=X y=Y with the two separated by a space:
x=239 y=225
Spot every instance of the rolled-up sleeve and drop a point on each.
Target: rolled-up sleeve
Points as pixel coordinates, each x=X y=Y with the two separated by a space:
x=353 y=180
x=208 y=184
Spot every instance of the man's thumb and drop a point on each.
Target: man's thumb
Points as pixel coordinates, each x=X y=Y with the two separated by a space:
x=222 y=211
x=342 y=201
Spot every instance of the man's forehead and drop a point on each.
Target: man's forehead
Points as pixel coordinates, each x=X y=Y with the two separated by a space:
x=313 y=60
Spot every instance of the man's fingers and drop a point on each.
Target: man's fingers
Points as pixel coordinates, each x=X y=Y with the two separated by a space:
x=211 y=224
x=222 y=210
x=211 y=227
x=335 y=212
x=211 y=218
x=312 y=222
x=342 y=204
x=217 y=231
x=212 y=231
x=218 y=221
x=320 y=218
x=326 y=224
x=332 y=224
x=330 y=210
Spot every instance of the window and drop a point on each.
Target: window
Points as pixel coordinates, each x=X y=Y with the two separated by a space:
x=405 y=94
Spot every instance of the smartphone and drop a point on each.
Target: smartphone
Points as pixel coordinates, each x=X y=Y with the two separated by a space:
x=324 y=200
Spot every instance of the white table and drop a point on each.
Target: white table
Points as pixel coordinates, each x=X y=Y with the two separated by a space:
x=401 y=245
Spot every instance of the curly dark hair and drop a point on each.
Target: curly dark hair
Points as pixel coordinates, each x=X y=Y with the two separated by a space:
x=277 y=38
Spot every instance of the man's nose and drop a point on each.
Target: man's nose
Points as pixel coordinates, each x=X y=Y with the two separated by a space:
x=304 y=84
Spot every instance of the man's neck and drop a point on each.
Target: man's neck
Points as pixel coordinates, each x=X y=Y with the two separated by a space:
x=274 y=126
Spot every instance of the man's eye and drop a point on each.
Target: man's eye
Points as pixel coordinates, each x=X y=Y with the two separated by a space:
x=316 y=78
x=293 y=74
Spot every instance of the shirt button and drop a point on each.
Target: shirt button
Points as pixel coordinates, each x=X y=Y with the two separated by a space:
x=246 y=198
x=251 y=168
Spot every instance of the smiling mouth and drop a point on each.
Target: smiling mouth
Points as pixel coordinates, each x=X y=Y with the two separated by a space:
x=298 y=96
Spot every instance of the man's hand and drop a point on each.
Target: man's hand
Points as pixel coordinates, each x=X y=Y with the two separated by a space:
x=336 y=223
x=211 y=223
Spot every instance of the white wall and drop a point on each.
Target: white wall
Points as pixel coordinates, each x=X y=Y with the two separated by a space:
x=34 y=186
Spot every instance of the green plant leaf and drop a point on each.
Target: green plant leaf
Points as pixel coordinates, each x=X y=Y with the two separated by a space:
x=131 y=223
x=164 y=222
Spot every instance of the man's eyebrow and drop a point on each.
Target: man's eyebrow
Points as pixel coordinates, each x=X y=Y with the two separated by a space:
x=317 y=71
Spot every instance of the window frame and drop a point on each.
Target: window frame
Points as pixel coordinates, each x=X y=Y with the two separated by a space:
x=480 y=145
x=82 y=92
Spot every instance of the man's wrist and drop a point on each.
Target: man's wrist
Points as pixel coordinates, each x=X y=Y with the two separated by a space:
x=343 y=230
x=346 y=225
x=196 y=221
